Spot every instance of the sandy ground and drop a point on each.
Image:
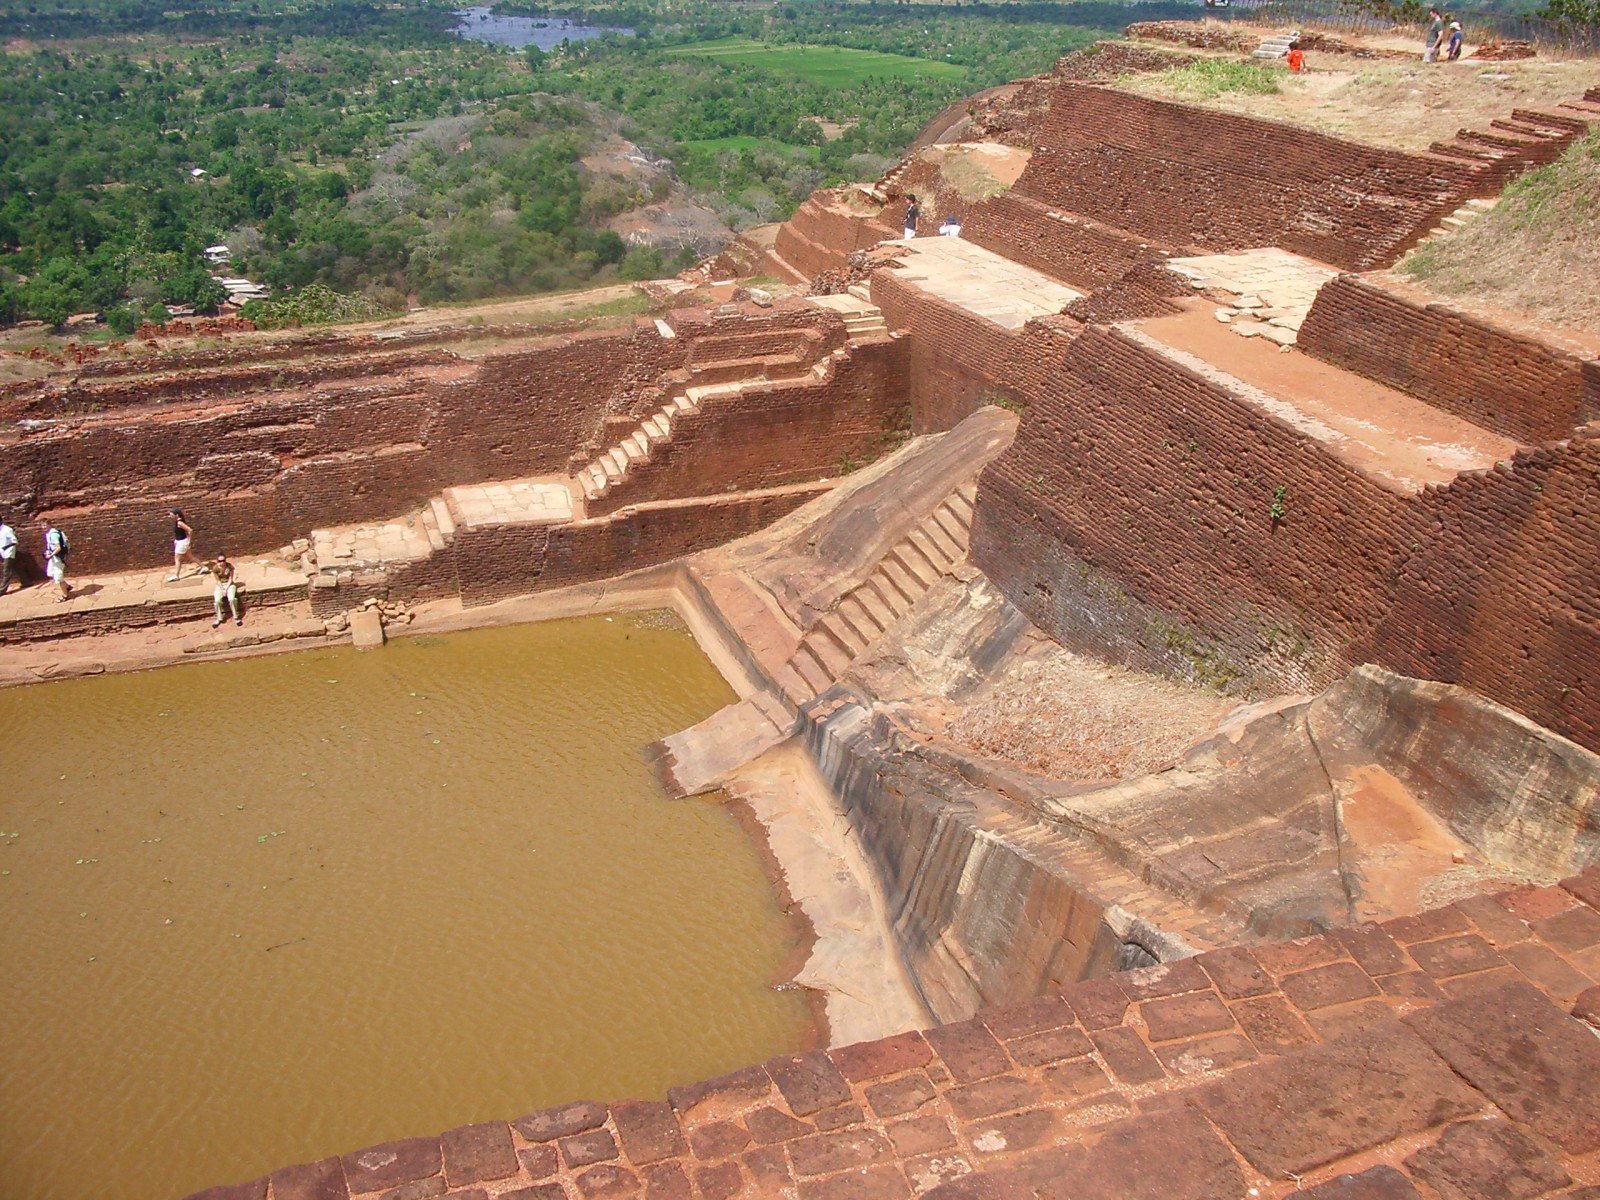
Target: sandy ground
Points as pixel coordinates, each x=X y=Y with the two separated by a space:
x=1402 y=105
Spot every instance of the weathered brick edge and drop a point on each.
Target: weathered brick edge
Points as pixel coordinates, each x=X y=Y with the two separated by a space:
x=1434 y=1047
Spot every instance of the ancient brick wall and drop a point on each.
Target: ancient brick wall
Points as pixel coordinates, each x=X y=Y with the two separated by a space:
x=957 y=361
x=495 y=562
x=1074 y=249
x=1138 y=515
x=1190 y=176
x=257 y=470
x=822 y=234
x=1511 y=383
x=778 y=433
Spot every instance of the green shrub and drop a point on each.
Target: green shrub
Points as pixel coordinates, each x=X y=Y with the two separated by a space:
x=314 y=304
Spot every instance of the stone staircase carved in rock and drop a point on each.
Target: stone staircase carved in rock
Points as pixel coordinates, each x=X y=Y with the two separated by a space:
x=931 y=551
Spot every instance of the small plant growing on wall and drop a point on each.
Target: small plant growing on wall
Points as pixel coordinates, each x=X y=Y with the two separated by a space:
x=1278 y=509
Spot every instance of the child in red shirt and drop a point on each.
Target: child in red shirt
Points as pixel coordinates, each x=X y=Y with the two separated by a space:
x=1297 y=58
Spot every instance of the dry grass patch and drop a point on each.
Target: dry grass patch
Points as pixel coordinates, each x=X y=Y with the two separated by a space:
x=1537 y=252
x=1072 y=717
x=1404 y=106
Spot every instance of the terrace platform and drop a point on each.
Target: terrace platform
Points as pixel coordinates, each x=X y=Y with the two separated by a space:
x=981 y=281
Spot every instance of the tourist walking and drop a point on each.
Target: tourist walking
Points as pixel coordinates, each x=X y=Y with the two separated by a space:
x=950 y=227
x=1430 y=48
x=8 y=557
x=1297 y=58
x=182 y=535
x=1453 y=43
x=913 y=211
x=224 y=588
x=56 y=548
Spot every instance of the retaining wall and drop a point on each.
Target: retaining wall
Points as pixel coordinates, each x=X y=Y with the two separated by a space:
x=1509 y=382
x=1133 y=516
x=1186 y=176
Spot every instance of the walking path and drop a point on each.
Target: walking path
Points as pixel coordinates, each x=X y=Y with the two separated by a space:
x=981 y=281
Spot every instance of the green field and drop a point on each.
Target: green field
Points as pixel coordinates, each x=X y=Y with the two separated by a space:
x=830 y=66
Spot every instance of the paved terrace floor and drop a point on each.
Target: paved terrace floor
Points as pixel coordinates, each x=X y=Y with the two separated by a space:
x=1396 y=440
x=261 y=581
x=981 y=281
x=1446 y=1056
x=1263 y=287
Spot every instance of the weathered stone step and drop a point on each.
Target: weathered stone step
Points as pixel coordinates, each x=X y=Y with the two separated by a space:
x=795 y=689
x=902 y=584
x=922 y=573
x=953 y=528
x=935 y=546
x=810 y=667
x=442 y=519
x=831 y=657
x=838 y=631
x=870 y=596
x=854 y=613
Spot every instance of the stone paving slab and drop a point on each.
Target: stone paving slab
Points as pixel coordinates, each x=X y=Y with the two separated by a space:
x=1482 y=1086
x=1269 y=291
x=130 y=599
x=518 y=501
x=981 y=281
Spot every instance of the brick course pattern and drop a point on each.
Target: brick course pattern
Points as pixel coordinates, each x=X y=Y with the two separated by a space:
x=255 y=468
x=1432 y=1055
x=1187 y=176
x=1492 y=376
x=1133 y=517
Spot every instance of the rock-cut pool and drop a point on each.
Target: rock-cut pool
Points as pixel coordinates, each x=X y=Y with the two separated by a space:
x=262 y=911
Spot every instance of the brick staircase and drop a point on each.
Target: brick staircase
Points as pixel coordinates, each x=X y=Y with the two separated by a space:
x=862 y=318
x=1463 y=216
x=719 y=368
x=1528 y=138
x=913 y=565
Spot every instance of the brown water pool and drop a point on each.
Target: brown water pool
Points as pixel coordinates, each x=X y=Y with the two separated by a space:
x=262 y=911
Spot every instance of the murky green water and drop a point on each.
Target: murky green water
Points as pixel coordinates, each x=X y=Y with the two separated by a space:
x=262 y=911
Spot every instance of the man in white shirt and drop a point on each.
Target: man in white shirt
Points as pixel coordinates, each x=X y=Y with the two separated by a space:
x=8 y=557
x=55 y=559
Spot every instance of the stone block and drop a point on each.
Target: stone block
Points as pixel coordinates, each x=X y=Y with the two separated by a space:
x=769 y=1125
x=722 y=1096
x=1272 y=1026
x=607 y=1182
x=1205 y=1055
x=587 y=1148
x=392 y=1163
x=989 y=1097
x=1387 y=1082
x=717 y=1139
x=809 y=1082
x=366 y=629
x=1374 y=950
x=475 y=1153
x=1051 y=1046
x=541 y=1161
x=1376 y=1183
x=1163 y=979
x=1126 y=1054
x=648 y=1130
x=1546 y=969
x=969 y=1050
x=1476 y=1160
x=1236 y=973
x=720 y=1181
x=1185 y=1016
x=886 y=1056
x=1576 y=929
x=881 y=1182
x=1076 y=1078
x=1425 y=927
x=539 y=1191
x=920 y=1135
x=1335 y=983
x=1452 y=956
x=1099 y=1004
x=900 y=1096
x=1038 y=1015
x=1533 y=1060
x=1499 y=926
x=563 y=1121
x=1169 y=1156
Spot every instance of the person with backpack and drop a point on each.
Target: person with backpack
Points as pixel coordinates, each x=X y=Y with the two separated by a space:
x=56 y=549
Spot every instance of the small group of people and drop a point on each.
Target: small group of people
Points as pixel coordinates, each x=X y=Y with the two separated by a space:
x=57 y=548
x=55 y=558
x=1443 y=41
x=949 y=227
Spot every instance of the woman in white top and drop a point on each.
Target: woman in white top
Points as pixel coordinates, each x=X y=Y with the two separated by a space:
x=182 y=534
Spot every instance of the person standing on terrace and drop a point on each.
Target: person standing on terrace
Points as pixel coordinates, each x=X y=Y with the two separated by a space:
x=8 y=557
x=1430 y=48
x=913 y=211
x=55 y=559
x=182 y=535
